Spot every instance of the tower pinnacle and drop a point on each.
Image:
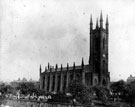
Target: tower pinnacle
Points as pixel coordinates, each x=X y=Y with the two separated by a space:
x=91 y=23
x=61 y=67
x=56 y=66
x=82 y=62
x=48 y=65
x=97 y=23
x=101 y=20
x=67 y=66
x=107 y=24
x=74 y=65
x=40 y=69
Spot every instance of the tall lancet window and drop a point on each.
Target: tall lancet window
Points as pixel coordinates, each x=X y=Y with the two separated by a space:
x=43 y=83
x=104 y=68
x=103 y=43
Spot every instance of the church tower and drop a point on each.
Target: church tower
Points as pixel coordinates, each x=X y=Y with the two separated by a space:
x=98 y=60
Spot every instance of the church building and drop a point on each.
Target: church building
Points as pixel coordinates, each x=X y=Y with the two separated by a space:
x=94 y=73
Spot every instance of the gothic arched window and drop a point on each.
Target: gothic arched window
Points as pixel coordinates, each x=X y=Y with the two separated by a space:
x=103 y=43
x=95 y=82
x=58 y=86
x=71 y=77
x=104 y=67
x=43 y=82
x=78 y=77
x=64 y=83
x=48 y=83
x=53 y=85
x=104 y=82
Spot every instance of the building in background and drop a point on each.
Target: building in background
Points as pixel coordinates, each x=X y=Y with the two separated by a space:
x=16 y=83
x=94 y=73
x=130 y=79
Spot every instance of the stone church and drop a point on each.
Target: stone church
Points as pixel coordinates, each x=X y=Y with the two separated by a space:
x=94 y=73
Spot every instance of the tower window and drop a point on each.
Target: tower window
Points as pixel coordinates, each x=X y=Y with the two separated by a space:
x=104 y=67
x=104 y=82
x=95 y=82
x=103 y=43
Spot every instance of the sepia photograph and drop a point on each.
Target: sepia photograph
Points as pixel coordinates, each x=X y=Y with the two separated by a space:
x=67 y=53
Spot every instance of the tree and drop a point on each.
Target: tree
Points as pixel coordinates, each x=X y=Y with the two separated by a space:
x=59 y=97
x=2 y=86
x=101 y=93
x=117 y=88
x=7 y=89
x=129 y=93
x=27 y=88
x=80 y=92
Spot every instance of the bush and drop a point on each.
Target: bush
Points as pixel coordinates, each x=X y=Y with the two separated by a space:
x=80 y=92
x=102 y=93
x=59 y=97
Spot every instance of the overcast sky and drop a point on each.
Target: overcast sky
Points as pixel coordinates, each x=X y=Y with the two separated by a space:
x=35 y=32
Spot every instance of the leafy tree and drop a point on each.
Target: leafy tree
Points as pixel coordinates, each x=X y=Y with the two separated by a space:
x=59 y=97
x=133 y=82
x=80 y=92
x=27 y=88
x=117 y=88
x=124 y=91
x=2 y=86
x=7 y=89
x=102 y=93
x=129 y=93
x=40 y=92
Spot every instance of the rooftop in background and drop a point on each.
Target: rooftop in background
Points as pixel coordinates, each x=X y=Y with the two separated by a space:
x=130 y=79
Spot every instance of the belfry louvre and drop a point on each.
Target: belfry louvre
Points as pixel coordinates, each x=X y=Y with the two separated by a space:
x=94 y=73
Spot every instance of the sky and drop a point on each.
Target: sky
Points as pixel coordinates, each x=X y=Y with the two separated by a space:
x=34 y=32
